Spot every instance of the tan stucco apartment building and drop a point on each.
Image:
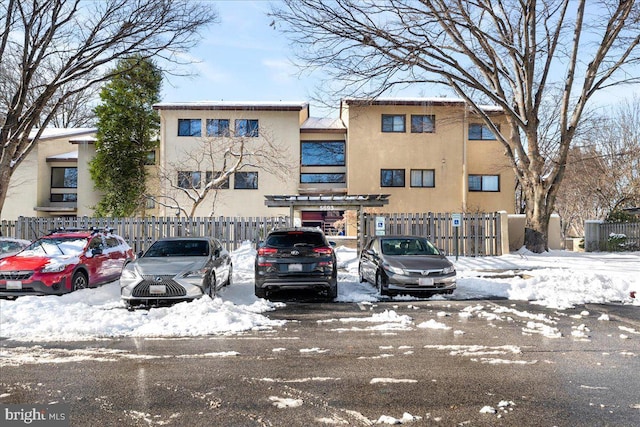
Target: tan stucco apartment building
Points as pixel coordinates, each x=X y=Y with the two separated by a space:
x=427 y=154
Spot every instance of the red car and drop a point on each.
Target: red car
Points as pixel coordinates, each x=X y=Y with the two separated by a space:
x=64 y=261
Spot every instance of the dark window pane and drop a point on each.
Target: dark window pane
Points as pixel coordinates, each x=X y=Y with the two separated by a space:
x=217 y=127
x=246 y=127
x=480 y=132
x=333 y=178
x=323 y=153
x=66 y=197
x=475 y=183
x=210 y=176
x=64 y=177
x=392 y=177
x=245 y=180
x=422 y=123
x=189 y=127
x=188 y=179
x=393 y=123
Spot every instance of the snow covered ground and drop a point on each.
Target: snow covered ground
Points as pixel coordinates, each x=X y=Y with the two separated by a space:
x=557 y=279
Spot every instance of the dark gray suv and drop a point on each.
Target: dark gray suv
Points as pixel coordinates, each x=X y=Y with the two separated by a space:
x=296 y=258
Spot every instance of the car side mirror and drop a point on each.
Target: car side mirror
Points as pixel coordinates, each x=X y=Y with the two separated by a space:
x=96 y=251
x=140 y=254
x=216 y=253
x=332 y=243
x=370 y=252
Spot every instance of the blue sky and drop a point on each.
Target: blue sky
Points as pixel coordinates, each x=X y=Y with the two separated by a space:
x=242 y=58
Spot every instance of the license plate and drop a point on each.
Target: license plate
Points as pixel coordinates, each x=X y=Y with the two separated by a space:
x=295 y=267
x=158 y=289
x=14 y=285
x=423 y=281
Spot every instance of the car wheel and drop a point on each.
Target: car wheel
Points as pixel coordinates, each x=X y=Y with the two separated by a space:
x=332 y=293
x=260 y=293
x=79 y=281
x=380 y=284
x=212 y=291
x=362 y=279
x=230 y=278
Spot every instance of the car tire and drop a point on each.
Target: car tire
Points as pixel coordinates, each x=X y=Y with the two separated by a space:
x=332 y=293
x=230 y=278
x=361 y=276
x=260 y=293
x=79 y=281
x=212 y=291
x=381 y=285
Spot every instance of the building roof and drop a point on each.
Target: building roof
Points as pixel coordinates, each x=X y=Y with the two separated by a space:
x=234 y=105
x=70 y=156
x=327 y=124
x=428 y=101
x=58 y=133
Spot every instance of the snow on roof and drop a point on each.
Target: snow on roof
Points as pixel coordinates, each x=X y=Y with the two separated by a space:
x=56 y=133
x=71 y=155
x=233 y=105
x=416 y=101
x=323 y=123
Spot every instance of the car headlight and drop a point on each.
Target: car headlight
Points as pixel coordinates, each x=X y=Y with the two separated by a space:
x=129 y=274
x=449 y=270
x=394 y=270
x=196 y=274
x=53 y=268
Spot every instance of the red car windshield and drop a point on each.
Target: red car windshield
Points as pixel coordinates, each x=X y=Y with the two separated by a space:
x=56 y=246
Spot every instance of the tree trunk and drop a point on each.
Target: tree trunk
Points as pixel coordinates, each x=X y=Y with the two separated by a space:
x=536 y=234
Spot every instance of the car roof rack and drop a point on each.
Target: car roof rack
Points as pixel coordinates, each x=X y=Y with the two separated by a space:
x=93 y=230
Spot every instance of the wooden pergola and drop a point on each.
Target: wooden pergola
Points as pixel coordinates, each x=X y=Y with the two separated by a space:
x=330 y=202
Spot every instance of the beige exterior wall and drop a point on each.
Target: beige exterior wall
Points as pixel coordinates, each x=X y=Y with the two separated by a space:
x=447 y=151
x=88 y=196
x=30 y=185
x=22 y=195
x=281 y=127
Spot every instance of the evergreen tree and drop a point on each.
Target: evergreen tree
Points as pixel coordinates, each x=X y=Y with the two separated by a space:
x=127 y=131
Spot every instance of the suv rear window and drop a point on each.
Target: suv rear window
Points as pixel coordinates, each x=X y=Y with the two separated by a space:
x=293 y=238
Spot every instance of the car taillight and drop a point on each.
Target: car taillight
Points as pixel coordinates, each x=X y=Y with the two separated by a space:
x=262 y=252
x=324 y=250
x=267 y=251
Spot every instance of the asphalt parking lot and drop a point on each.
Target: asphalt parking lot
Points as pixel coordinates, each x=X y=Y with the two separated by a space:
x=419 y=363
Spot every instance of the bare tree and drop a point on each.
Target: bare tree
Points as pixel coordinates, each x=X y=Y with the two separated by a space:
x=202 y=171
x=53 y=50
x=510 y=53
x=603 y=169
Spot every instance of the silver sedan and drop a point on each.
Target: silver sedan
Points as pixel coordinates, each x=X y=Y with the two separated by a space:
x=406 y=264
x=174 y=270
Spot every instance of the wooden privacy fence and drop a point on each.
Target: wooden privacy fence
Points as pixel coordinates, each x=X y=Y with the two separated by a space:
x=479 y=234
x=614 y=236
x=141 y=232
